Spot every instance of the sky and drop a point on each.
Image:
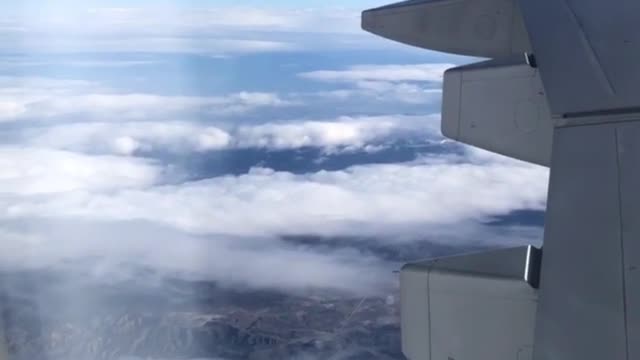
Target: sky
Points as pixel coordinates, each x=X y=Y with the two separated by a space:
x=197 y=138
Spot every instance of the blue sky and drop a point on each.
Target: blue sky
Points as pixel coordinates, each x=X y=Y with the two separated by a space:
x=227 y=128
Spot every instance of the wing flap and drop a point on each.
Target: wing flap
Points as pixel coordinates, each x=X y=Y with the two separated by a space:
x=498 y=106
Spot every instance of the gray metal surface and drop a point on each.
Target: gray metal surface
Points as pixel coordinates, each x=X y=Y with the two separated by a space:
x=588 y=52
x=500 y=106
x=4 y=354
x=628 y=144
x=484 y=28
x=480 y=318
x=414 y=313
x=581 y=307
x=513 y=263
x=476 y=306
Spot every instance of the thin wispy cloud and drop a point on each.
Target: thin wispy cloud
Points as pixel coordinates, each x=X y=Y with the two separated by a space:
x=413 y=84
x=46 y=98
x=213 y=30
x=388 y=73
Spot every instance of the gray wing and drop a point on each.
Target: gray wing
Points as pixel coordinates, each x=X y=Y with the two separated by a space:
x=575 y=108
x=499 y=105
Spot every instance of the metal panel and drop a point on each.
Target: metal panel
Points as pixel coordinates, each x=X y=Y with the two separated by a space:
x=414 y=313
x=628 y=136
x=580 y=311
x=480 y=318
x=4 y=349
x=514 y=263
x=451 y=92
x=588 y=52
x=476 y=306
x=485 y=28
x=499 y=106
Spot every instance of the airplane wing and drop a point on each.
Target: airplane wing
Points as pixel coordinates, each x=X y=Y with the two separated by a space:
x=571 y=102
x=482 y=28
x=498 y=105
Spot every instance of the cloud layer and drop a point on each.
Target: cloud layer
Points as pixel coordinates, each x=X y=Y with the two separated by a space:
x=31 y=171
x=88 y=180
x=130 y=138
x=119 y=210
x=410 y=83
x=180 y=28
x=360 y=200
x=389 y=73
x=42 y=99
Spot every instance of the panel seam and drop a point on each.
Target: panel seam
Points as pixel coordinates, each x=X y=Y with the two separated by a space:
x=429 y=314
x=458 y=135
x=593 y=56
x=622 y=247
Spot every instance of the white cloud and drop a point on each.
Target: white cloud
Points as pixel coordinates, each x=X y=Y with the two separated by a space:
x=144 y=106
x=129 y=138
x=410 y=83
x=117 y=250
x=12 y=62
x=168 y=44
x=386 y=92
x=36 y=87
x=373 y=200
x=30 y=171
x=62 y=208
x=185 y=20
x=42 y=98
x=355 y=132
x=206 y=228
x=385 y=73
x=180 y=28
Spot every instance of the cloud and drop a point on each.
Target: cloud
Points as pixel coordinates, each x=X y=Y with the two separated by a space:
x=130 y=137
x=352 y=132
x=67 y=198
x=45 y=99
x=42 y=98
x=13 y=62
x=62 y=209
x=119 y=214
x=182 y=137
x=218 y=30
x=386 y=73
x=410 y=83
x=377 y=200
x=31 y=171
x=168 y=44
x=34 y=87
x=76 y=188
x=385 y=92
x=118 y=251
x=185 y=19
